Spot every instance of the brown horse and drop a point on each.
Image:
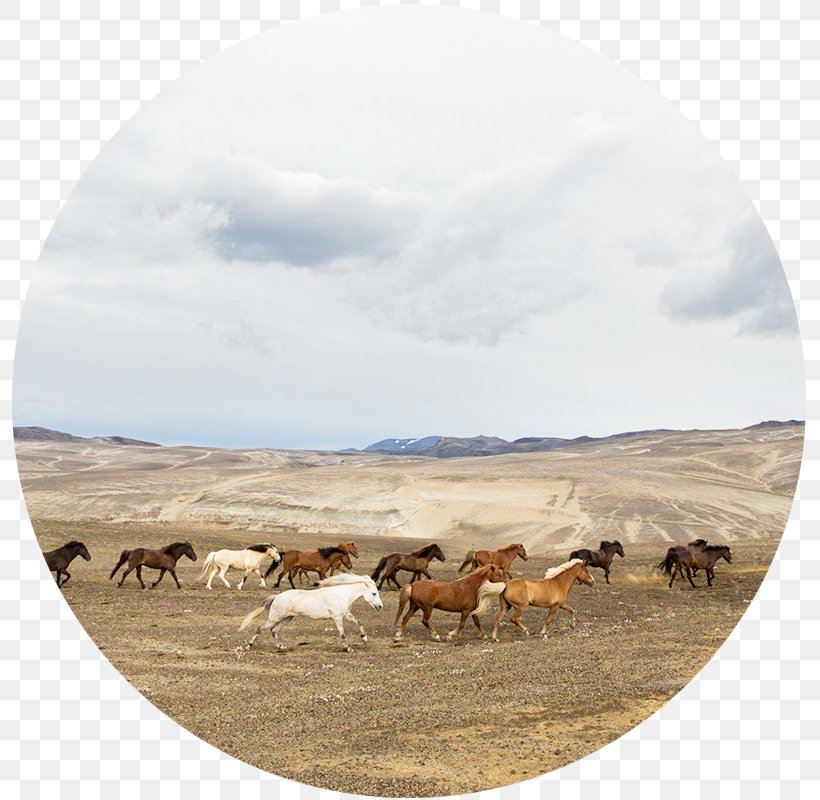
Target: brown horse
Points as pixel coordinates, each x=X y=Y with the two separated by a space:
x=501 y=558
x=164 y=560
x=696 y=555
x=59 y=559
x=303 y=575
x=321 y=560
x=468 y=596
x=549 y=592
x=601 y=558
x=415 y=562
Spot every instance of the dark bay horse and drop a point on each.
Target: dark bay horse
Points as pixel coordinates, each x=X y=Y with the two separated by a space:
x=503 y=557
x=469 y=596
x=415 y=562
x=164 y=560
x=549 y=592
x=601 y=558
x=59 y=559
x=321 y=560
x=682 y=559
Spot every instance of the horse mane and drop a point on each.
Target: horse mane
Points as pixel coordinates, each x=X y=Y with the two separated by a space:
x=169 y=547
x=426 y=550
x=699 y=543
x=259 y=548
x=712 y=548
x=346 y=578
x=511 y=546
x=329 y=551
x=554 y=572
x=73 y=543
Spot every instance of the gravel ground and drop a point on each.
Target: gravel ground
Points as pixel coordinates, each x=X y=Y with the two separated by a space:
x=417 y=719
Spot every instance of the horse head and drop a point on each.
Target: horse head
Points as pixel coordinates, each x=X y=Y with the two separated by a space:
x=583 y=575
x=619 y=548
x=521 y=552
x=188 y=550
x=727 y=555
x=351 y=548
x=495 y=574
x=273 y=553
x=371 y=594
x=83 y=551
x=438 y=553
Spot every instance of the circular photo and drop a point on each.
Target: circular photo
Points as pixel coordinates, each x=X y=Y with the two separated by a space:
x=409 y=402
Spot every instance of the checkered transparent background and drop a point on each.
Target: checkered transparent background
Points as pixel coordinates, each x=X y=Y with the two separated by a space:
x=71 y=71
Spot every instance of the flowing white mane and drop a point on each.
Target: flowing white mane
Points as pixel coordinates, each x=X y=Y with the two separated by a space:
x=346 y=578
x=553 y=572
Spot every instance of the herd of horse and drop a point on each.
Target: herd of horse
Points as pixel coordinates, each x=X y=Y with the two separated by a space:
x=336 y=588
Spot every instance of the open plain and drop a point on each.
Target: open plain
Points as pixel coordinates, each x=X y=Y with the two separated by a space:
x=418 y=718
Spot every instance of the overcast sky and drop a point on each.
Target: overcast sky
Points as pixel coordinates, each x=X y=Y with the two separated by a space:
x=404 y=222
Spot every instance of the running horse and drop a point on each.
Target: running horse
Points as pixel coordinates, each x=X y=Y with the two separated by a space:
x=322 y=561
x=415 y=562
x=696 y=555
x=549 y=592
x=601 y=558
x=165 y=560
x=248 y=560
x=469 y=596
x=302 y=574
x=501 y=558
x=59 y=559
x=332 y=600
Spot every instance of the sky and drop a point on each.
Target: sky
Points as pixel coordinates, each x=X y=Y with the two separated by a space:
x=400 y=222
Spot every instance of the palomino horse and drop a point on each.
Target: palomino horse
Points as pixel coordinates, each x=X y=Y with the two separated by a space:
x=164 y=560
x=415 y=562
x=469 y=596
x=549 y=592
x=332 y=600
x=321 y=561
x=697 y=555
x=601 y=558
x=248 y=560
x=59 y=559
x=501 y=558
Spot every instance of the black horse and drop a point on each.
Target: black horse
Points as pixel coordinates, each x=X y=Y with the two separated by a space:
x=601 y=558
x=59 y=559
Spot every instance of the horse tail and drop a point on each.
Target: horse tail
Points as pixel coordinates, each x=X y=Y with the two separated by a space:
x=379 y=567
x=123 y=558
x=208 y=561
x=468 y=559
x=258 y=612
x=667 y=563
x=404 y=597
x=486 y=592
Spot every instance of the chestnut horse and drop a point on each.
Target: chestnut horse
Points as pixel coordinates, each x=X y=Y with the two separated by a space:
x=322 y=561
x=696 y=555
x=302 y=574
x=164 y=560
x=59 y=559
x=469 y=596
x=415 y=562
x=501 y=558
x=549 y=592
x=601 y=558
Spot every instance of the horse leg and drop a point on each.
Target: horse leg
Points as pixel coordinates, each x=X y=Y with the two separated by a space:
x=477 y=622
x=454 y=633
x=124 y=575
x=503 y=608
x=290 y=578
x=515 y=618
x=606 y=573
x=275 y=632
x=161 y=574
x=571 y=611
x=340 y=626
x=675 y=572
x=262 y=583
x=222 y=571
x=213 y=572
x=174 y=576
x=362 y=631
x=67 y=576
x=552 y=613
x=410 y=611
x=710 y=573
x=139 y=575
x=244 y=578
x=689 y=575
x=394 y=580
x=425 y=620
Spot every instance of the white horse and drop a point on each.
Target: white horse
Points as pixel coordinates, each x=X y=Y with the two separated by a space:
x=332 y=600
x=248 y=560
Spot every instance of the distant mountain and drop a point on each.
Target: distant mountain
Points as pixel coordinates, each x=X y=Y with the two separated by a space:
x=455 y=447
x=37 y=434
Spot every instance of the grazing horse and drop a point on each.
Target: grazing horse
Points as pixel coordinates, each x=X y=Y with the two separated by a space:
x=164 y=560
x=332 y=600
x=248 y=560
x=470 y=596
x=601 y=558
x=697 y=555
x=321 y=561
x=415 y=562
x=59 y=559
x=549 y=592
x=501 y=558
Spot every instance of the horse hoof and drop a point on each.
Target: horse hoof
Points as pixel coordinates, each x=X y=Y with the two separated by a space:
x=437 y=638
x=364 y=638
